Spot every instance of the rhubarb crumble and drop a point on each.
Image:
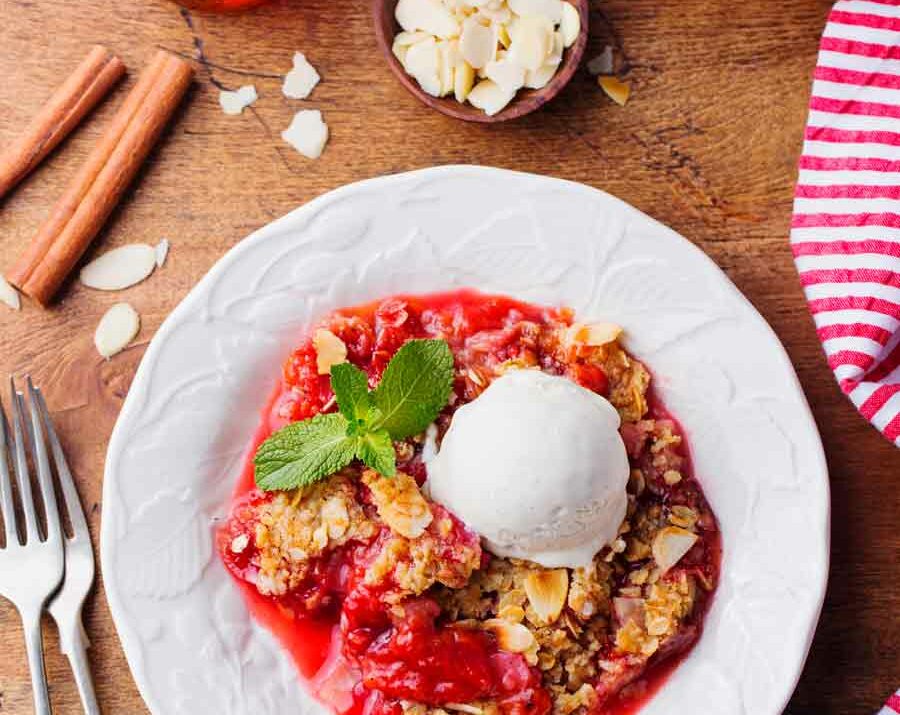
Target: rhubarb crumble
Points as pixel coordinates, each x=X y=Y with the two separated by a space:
x=418 y=615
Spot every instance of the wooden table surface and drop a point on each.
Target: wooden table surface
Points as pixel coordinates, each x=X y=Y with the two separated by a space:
x=708 y=145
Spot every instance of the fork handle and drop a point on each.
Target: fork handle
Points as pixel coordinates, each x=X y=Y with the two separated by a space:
x=82 y=672
x=74 y=644
x=31 y=623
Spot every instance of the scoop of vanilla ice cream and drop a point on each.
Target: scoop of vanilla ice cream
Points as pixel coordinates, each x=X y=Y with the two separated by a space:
x=536 y=466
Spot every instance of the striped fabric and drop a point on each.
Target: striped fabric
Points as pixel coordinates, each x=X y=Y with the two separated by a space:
x=892 y=706
x=846 y=227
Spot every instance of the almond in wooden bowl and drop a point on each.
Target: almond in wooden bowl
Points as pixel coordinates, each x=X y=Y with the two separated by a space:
x=482 y=60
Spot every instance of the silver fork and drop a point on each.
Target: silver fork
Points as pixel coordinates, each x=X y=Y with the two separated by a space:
x=65 y=608
x=31 y=563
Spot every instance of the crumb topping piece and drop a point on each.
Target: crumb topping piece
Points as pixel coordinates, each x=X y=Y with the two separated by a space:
x=399 y=502
x=293 y=528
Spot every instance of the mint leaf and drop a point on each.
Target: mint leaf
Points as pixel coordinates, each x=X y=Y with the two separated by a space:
x=303 y=453
x=414 y=388
x=376 y=450
x=351 y=388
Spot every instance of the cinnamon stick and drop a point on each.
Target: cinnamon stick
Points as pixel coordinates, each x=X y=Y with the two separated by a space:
x=100 y=183
x=78 y=95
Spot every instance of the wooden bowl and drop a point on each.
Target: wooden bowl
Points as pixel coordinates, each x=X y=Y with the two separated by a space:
x=525 y=101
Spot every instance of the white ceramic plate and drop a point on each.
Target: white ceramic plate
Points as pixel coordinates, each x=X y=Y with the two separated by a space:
x=177 y=447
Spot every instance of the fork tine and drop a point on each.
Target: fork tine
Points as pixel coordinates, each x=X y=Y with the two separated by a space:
x=7 y=507
x=21 y=464
x=42 y=461
x=69 y=492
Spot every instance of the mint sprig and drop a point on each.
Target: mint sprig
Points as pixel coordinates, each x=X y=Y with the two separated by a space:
x=414 y=388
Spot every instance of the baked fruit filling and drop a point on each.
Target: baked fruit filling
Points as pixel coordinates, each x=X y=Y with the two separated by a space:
x=425 y=618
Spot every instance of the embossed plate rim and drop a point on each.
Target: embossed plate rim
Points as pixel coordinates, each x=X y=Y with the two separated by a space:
x=197 y=303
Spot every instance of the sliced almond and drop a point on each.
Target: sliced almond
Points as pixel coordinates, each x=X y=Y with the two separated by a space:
x=423 y=63
x=594 y=334
x=120 y=268
x=497 y=15
x=551 y=10
x=532 y=41
x=307 y=133
x=400 y=53
x=429 y=16
x=235 y=102
x=557 y=47
x=9 y=295
x=463 y=79
x=330 y=350
x=301 y=80
x=511 y=637
x=477 y=43
x=464 y=708
x=407 y=39
x=448 y=55
x=670 y=545
x=570 y=24
x=489 y=97
x=628 y=610
x=506 y=73
x=616 y=90
x=539 y=78
x=547 y=592
x=399 y=502
x=116 y=329
x=502 y=35
x=161 y=252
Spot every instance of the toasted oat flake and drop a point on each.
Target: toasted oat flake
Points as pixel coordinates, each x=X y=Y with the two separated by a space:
x=671 y=477
x=399 y=502
x=683 y=516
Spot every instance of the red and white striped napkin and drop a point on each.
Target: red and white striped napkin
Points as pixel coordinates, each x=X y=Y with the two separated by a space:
x=892 y=706
x=846 y=227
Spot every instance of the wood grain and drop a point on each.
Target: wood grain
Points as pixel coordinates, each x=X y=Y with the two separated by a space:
x=708 y=144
